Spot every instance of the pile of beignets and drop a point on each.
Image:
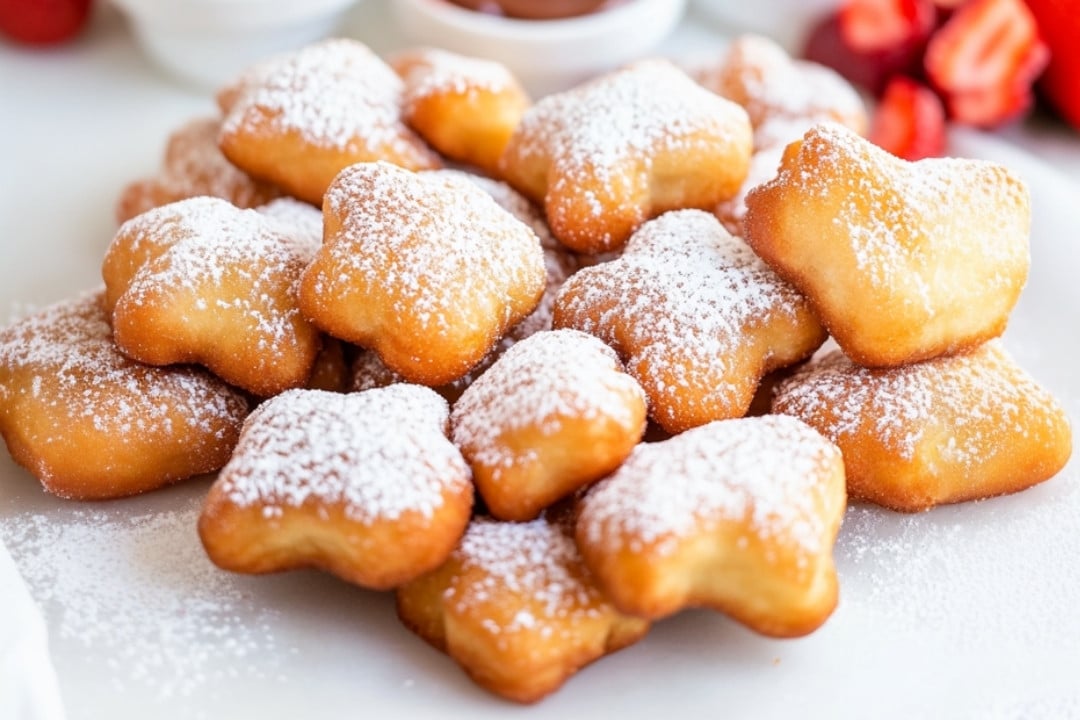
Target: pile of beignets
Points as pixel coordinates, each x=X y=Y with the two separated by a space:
x=550 y=371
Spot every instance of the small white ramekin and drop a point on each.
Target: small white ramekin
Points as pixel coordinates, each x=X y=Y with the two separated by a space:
x=545 y=55
x=207 y=42
x=785 y=21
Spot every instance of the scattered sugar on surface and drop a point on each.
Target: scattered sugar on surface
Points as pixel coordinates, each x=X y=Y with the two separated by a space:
x=683 y=299
x=335 y=94
x=428 y=242
x=136 y=594
x=379 y=453
x=540 y=383
x=64 y=356
x=537 y=564
x=983 y=393
x=767 y=469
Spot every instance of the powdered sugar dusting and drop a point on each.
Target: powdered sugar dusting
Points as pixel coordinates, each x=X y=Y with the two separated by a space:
x=134 y=592
x=680 y=302
x=536 y=562
x=300 y=221
x=336 y=95
x=442 y=250
x=650 y=108
x=64 y=358
x=540 y=383
x=379 y=454
x=771 y=471
x=205 y=246
x=982 y=394
x=433 y=72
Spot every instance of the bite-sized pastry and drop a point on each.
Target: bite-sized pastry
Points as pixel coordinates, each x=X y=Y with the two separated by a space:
x=947 y=430
x=466 y=108
x=737 y=515
x=299 y=220
x=777 y=91
x=515 y=607
x=608 y=155
x=298 y=120
x=554 y=413
x=194 y=166
x=366 y=486
x=92 y=424
x=901 y=261
x=695 y=315
x=424 y=269
x=201 y=281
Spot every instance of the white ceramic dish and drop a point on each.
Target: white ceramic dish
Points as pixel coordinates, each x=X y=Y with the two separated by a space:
x=207 y=42
x=546 y=55
x=962 y=612
x=786 y=21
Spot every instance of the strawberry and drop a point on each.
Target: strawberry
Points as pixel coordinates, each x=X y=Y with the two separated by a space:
x=43 y=22
x=909 y=120
x=984 y=59
x=1059 y=23
x=876 y=25
x=870 y=69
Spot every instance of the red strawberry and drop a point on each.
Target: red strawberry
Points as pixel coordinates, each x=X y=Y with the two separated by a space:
x=43 y=22
x=1059 y=24
x=875 y=25
x=825 y=44
x=909 y=120
x=984 y=59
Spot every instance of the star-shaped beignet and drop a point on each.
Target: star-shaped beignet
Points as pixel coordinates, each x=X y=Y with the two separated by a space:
x=201 y=281
x=298 y=120
x=695 y=315
x=516 y=608
x=737 y=515
x=365 y=485
x=608 y=155
x=92 y=424
x=946 y=430
x=901 y=261
x=423 y=268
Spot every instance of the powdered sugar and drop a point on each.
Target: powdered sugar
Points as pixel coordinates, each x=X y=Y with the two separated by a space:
x=771 y=472
x=133 y=594
x=535 y=565
x=980 y=395
x=540 y=383
x=680 y=306
x=379 y=454
x=441 y=251
x=433 y=72
x=63 y=360
x=336 y=95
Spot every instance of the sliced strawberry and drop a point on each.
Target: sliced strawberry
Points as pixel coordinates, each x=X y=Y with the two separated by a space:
x=1059 y=25
x=869 y=70
x=876 y=25
x=909 y=120
x=984 y=59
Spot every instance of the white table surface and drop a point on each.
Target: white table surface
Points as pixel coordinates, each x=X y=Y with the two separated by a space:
x=79 y=122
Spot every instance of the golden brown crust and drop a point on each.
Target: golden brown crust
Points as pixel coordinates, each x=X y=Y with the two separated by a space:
x=200 y=281
x=92 y=424
x=516 y=608
x=466 y=108
x=947 y=430
x=365 y=486
x=901 y=261
x=747 y=530
x=299 y=120
x=608 y=155
x=426 y=270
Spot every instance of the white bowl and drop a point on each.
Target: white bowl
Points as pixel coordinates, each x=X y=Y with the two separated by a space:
x=207 y=42
x=546 y=55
